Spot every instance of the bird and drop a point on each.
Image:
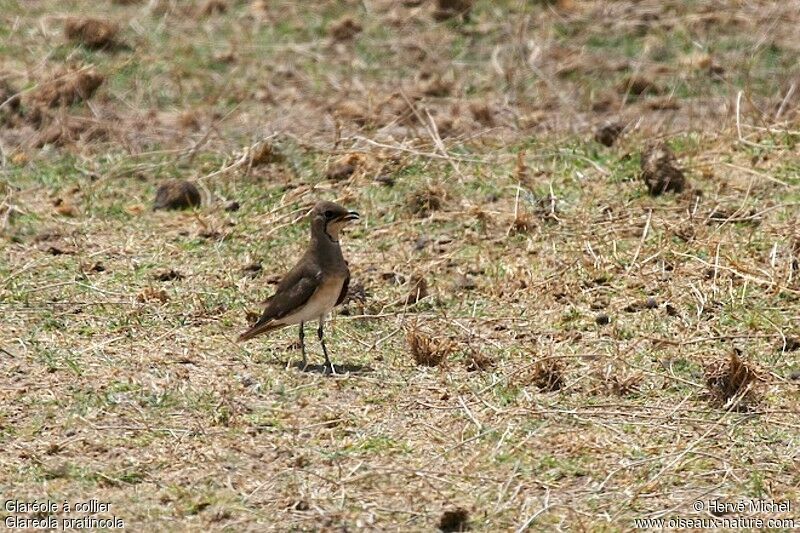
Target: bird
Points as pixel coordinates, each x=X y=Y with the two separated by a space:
x=316 y=284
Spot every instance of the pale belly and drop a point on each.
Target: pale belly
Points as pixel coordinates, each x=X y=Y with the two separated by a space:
x=321 y=302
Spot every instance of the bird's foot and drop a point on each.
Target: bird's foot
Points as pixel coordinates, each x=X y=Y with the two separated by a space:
x=330 y=370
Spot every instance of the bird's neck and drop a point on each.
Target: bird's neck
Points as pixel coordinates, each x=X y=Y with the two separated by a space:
x=325 y=246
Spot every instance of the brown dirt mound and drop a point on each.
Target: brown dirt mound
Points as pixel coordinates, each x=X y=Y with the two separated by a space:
x=418 y=289
x=660 y=170
x=213 y=7
x=608 y=134
x=447 y=9
x=454 y=520
x=91 y=32
x=8 y=94
x=67 y=88
x=177 y=194
x=344 y=29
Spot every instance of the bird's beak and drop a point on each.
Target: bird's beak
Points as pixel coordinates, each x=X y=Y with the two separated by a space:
x=352 y=215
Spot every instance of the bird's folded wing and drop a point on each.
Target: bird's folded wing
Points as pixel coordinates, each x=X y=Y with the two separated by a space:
x=343 y=293
x=291 y=294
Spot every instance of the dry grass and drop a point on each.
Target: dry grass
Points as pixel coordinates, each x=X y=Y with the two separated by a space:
x=581 y=327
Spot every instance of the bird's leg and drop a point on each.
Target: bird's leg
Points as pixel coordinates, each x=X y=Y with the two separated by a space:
x=320 y=333
x=303 y=344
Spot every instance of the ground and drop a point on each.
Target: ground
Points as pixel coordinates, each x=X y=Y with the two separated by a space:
x=532 y=339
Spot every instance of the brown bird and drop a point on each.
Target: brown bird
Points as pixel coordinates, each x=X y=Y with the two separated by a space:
x=316 y=284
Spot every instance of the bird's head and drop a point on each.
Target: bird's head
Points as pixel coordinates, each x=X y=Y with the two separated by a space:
x=330 y=218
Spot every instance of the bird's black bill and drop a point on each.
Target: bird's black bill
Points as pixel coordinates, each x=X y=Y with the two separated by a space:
x=352 y=215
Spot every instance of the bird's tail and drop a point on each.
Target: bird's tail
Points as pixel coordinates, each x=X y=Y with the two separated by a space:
x=258 y=329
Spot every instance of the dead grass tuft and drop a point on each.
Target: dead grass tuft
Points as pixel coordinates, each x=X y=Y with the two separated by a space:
x=547 y=375
x=64 y=130
x=436 y=85
x=427 y=350
x=660 y=171
x=149 y=294
x=345 y=167
x=67 y=88
x=482 y=113
x=353 y=111
x=524 y=223
x=638 y=85
x=266 y=153
x=732 y=378
x=91 y=32
x=426 y=199
x=65 y=208
x=454 y=520
x=477 y=361
x=619 y=382
x=177 y=194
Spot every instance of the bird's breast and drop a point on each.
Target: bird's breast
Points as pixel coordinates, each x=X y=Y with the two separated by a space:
x=321 y=301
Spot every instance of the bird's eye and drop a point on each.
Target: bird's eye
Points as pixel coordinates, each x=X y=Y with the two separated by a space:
x=329 y=214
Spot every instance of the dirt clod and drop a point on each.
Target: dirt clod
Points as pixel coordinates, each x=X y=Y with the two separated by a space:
x=602 y=319
x=168 y=275
x=213 y=7
x=252 y=269
x=454 y=520
x=177 y=194
x=91 y=32
x=340 y=171
x=608 y=134
x=344 y=29
x=448 y=9
x=790 y=344
x=418 y=289
x=8 y=96
x=660 y=170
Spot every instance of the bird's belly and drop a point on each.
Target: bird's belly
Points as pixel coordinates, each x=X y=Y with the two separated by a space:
x=320 y=303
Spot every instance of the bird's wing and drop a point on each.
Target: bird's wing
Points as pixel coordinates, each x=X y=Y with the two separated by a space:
x=292 y=293
x=345 y=285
